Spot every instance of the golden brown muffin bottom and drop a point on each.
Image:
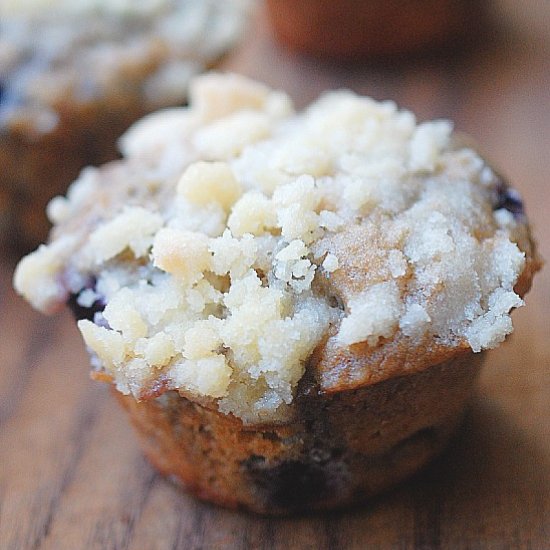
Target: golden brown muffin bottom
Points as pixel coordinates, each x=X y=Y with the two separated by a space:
x=339 y=449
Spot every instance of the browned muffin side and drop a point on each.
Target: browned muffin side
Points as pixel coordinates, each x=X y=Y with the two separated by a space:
x=341 y=448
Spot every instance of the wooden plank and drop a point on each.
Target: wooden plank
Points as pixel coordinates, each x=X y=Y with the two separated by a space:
x=72 y=475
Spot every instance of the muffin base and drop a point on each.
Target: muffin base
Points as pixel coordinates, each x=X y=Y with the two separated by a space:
x=338 y=450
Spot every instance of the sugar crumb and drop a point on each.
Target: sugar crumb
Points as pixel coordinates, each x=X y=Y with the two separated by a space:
x=232 y=217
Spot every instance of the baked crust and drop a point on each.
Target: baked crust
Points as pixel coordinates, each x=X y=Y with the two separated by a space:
x=340 y=448
x=340 y=368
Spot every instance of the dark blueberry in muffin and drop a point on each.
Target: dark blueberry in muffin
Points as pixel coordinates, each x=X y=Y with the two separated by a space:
x=509 y=199
x=81 y=312
x=290 y=484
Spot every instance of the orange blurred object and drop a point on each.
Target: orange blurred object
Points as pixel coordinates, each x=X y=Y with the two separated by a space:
x=372 y=28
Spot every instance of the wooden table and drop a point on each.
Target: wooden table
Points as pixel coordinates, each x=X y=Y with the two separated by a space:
x=71 y=474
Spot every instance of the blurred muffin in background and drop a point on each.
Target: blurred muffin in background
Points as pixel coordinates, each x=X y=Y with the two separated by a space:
x=74 y=74
x=355 y=29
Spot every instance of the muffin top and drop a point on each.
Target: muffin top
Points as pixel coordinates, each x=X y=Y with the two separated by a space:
x=54 y=51
x=238 y=242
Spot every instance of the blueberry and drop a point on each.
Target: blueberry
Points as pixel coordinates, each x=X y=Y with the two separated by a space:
x=291 y=484
x=81 y=312
x=509 y=199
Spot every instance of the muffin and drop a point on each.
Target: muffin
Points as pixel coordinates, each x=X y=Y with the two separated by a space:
x=362 y=29
x=291 y=306
x=75 y=75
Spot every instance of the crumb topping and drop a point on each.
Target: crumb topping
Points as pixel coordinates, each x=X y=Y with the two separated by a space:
x=236 y=235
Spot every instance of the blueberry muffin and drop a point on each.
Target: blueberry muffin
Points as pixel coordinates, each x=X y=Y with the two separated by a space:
x=291 y=306
x=366 y=29
x=75 y=74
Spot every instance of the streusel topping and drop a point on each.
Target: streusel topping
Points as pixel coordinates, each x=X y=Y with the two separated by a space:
x=236 y=235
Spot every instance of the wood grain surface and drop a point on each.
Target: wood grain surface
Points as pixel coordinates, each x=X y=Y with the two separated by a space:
x=72 y=476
